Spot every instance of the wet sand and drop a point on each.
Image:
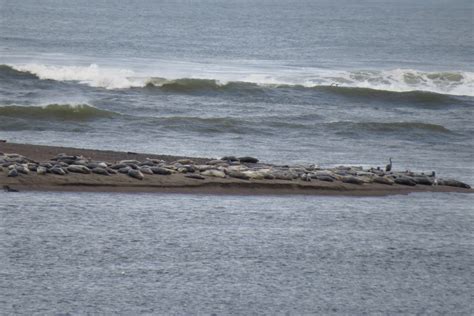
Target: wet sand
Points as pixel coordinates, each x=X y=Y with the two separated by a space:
x=179 y=183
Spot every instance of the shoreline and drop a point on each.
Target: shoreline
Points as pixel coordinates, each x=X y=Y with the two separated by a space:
x=183 y=182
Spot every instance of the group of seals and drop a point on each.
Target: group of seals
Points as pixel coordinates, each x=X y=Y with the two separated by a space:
x=243 y=168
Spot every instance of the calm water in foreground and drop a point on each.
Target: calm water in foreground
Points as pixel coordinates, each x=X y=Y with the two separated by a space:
x=84 y=253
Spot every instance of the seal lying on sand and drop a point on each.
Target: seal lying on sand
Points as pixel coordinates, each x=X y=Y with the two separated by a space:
x=6 y=188
x=243 y=168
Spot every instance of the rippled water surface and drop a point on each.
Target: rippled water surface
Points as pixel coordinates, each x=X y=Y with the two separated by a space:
x=84 y=253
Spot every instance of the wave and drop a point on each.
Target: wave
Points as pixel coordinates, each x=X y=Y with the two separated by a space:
x=359 y=83
x=207 y=125
x=195 y=85
x=410 y=96
x=390 y=127
x=67 y=116
x=10 y=72
x=69 y=112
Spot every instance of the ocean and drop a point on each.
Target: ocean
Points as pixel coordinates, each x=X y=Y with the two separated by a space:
x=318 y=82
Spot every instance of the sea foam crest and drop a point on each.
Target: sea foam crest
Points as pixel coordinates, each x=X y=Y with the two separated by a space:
x=92 y=75
x=395 y=80
x=405 y=80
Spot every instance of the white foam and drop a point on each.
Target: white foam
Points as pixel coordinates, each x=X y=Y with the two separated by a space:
x=92 y=75
x=397 y=80
x=405 y=80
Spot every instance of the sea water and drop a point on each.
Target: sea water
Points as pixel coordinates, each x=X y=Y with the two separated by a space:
x=102 y=253
x=323 y=82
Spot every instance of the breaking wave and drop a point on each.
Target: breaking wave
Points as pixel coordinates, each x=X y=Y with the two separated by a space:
x=359 y=83
x=69 y=112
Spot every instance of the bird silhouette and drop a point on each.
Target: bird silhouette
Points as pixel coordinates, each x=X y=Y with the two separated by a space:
x=389 y=166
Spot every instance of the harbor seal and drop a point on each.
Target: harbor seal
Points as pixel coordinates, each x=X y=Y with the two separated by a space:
x=124 y=170
x=213 y=173
x=185 y=161
x=405 y=181
x=58 y=170
x=146 y=170
x=135 y=174
x=13 y=173
x=382 y=180
x=101 y=171
x=229 y=158
x=353 y=180
x=195 y=176
x=41 y=170
x=22 y=169
x=453 y=183
x=78 y=169
x=161 y=171
x=237 y=174
x=422 y=180
x=248 y=159
x=323 y=177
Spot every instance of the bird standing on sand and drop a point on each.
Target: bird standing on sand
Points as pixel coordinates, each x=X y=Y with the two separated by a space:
x=389 y=166
x=435 y=180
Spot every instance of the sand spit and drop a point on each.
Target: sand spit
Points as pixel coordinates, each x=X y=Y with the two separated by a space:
x=47 y=168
